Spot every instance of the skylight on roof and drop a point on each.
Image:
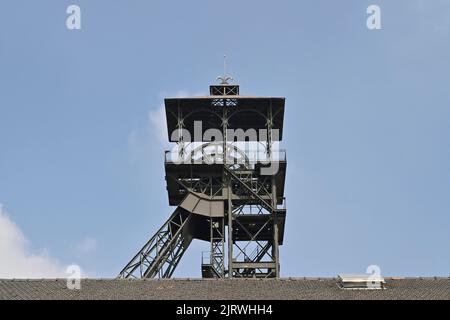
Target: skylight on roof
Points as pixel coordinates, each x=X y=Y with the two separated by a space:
x=365 y=281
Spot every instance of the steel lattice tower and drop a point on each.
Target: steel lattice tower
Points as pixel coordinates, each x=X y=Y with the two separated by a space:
x=228 y=195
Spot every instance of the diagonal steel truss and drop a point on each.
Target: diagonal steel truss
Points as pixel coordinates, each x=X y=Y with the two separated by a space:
x=162 y=253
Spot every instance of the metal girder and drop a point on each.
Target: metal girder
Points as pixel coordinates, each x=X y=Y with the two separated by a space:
x=218 y=246
x=162 y=253
x=262 y=260
x=250 y=189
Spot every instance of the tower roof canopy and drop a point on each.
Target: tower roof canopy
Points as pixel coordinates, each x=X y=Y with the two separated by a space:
x=241 y=112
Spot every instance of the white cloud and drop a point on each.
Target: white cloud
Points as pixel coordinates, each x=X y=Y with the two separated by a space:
x=156 y=131
x=16 y=261
x=157 y=117
x=158 y=124
x=86 y=246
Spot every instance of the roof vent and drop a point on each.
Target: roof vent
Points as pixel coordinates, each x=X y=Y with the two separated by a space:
x=362 y=282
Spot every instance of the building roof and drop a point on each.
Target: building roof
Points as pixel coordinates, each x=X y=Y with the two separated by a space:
x=228 y=289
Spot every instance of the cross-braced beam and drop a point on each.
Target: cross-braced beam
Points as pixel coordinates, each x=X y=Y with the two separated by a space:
x=162 y=253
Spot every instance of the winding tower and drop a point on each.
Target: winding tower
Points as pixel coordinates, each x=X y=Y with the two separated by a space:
x=226 y=177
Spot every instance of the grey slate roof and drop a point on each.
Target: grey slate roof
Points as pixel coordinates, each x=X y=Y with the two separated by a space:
x=228 y=289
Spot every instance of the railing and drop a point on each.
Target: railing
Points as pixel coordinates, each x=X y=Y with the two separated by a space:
x=250 y=157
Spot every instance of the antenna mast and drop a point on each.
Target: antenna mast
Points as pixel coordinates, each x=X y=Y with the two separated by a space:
x=224 y=78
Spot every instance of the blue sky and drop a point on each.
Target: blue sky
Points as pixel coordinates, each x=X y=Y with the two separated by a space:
x=367 y=127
